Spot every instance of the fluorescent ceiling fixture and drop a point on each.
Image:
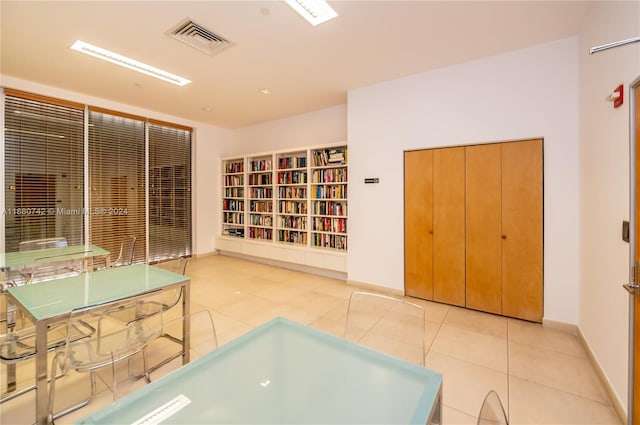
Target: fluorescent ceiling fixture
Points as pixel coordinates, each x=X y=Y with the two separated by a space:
x=126 y=62
x=314 y=11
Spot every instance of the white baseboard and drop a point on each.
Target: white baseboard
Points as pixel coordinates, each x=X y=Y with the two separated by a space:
x=618 y=405
x=377 y=288
x=291 y=266
x=205 y=254
x=569 y=328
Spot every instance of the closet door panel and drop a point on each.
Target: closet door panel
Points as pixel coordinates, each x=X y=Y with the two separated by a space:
x=449 y=226
x=483 y=228
x=522 y=230
x=418 y=224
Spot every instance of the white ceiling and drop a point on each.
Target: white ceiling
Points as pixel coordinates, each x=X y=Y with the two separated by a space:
x=305 y=67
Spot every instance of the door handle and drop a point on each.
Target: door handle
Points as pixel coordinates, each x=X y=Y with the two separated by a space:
x=632 y=288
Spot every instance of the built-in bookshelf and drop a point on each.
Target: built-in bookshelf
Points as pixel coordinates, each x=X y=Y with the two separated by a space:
x=233 y=199
x=329 y=198
x=260 y=186
x=287 y=205
x=291 y=197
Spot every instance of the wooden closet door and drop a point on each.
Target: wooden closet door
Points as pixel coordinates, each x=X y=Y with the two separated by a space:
x=448 y=226
x=522 y=230
x=483 y=228
x=418 y=224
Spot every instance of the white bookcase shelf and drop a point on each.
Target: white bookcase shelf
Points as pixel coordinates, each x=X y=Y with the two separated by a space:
x=287 y=206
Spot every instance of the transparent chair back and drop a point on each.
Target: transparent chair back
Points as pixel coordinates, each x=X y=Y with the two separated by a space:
x=492 y=412
x=127 y=252
x=111 y=343
x=202 y=340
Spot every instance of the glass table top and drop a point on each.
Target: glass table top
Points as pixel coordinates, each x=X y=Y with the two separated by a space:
x=58 y=297
x=38 y=256
x=284 y=372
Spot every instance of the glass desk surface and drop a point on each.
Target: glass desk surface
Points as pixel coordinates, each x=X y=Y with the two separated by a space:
x=57 y=297
x=284 y=372
x=27 y=258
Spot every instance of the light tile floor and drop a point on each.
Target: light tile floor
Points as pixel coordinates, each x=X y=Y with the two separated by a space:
x=543 y=376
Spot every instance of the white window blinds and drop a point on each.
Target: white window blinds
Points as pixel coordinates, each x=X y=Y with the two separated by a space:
x=44 y=177
x=169 y=191
x=117 y=181
x=44 y=168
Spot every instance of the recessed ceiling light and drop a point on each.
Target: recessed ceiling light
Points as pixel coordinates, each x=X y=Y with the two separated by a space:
x=314 y=11
x=126 y=62
x=265 y=91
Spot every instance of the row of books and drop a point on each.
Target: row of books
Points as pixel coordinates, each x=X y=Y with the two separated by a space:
x=261 y=206
x=259 y=233
x=233 y=180
x=324 y=240
x=292 y=177
x=234 y=167
x=330 y=192
x=260 y=179
x=335 y=225
x=292 y=207
x=260 y=165
x=260 y=220
x=329 y=208
x=261 y=192
x=292 y=162
x=292 y=192
x=233 y=218
x=237 y=232
x=292 y=237
x=234 y=192
x=290 y=222
x=324 y=157
x=329 y=175
x=232 y=205
x=288 y=207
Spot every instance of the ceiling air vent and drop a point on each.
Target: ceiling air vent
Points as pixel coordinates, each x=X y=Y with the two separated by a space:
x=199 y=37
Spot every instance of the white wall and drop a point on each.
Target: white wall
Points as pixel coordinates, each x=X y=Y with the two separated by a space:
x=527 y=93
x=208 y=142
x=320 y=127
x=604 y=177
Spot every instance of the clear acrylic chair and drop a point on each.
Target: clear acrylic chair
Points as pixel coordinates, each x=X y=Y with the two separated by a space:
x=202 y=340
x=18 y=344
x=109 y=345
x=176 y=265
x=492 y=412
x=387 y=324
x=127 y=252
x=171 y=297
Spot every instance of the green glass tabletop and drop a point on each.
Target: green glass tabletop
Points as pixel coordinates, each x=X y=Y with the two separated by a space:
x=285 y=373
x=40 y=256
x=55 y=298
